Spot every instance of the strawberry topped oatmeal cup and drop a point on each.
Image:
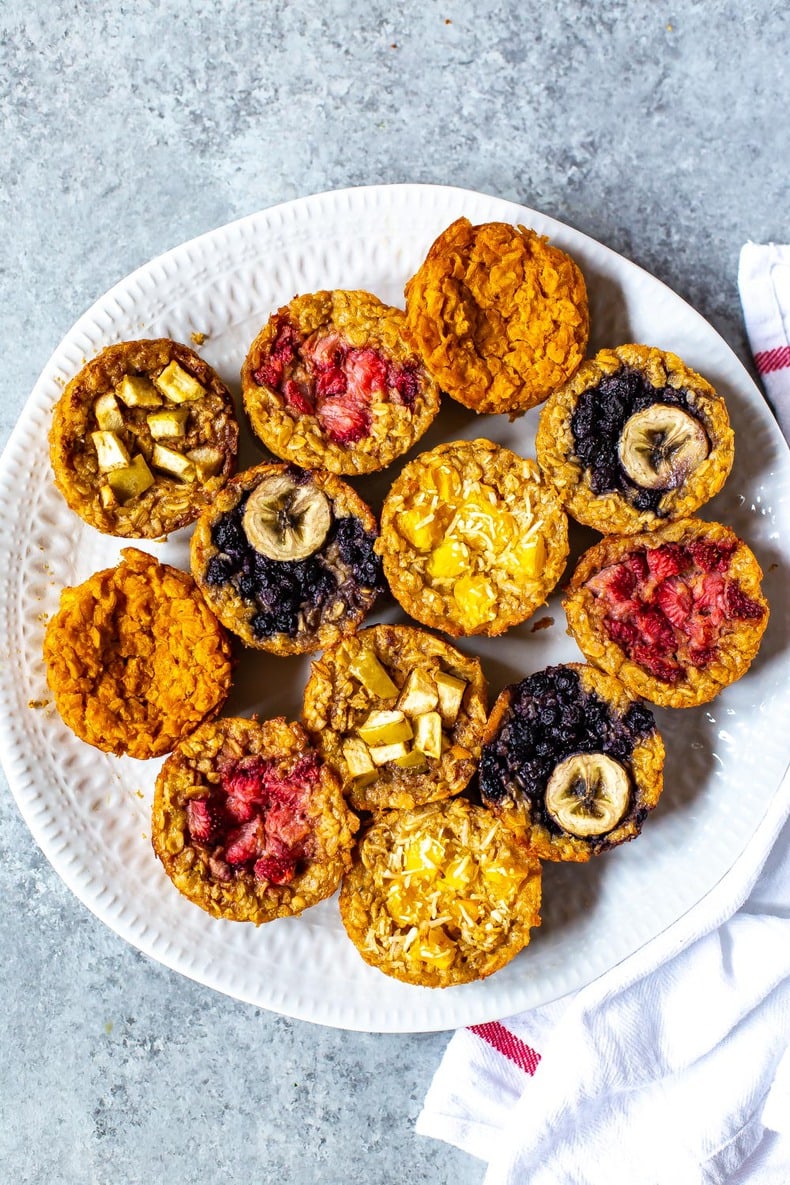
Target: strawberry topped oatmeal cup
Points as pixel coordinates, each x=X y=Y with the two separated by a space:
x=331 y=382
x=676 y=614
x=248 y=823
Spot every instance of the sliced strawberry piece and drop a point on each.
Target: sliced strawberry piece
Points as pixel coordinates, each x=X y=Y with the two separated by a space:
x=667 y=560
x=270 y=373
x=204 y=820
x=623 y=633
x=637 y=562
x=701 y=656
x=245 y=843
x=344 y=420
x=247 y=778
x=282 y=351
x=325 y=353
x=331 y=381
x=286 y=825
x=241 y=809
x=366 y=371
x=293 y=787
x=656 y=665
x=298 y=398
x=673 y=597
x=709 y=597
x=405 y=385
x=738 y=605
x=616 y=583
x=278 y=870
x=711 y=557
x=655 y=629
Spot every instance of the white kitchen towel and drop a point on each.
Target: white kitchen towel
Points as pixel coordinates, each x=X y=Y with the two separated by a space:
x=673 y=1068
x=764 y=281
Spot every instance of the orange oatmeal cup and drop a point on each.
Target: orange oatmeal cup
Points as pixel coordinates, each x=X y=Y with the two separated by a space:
x=332 y=382
x=142 y=438
x=441 y=895
x=676 y=614
x=636 y=438
x=472 y=539
x=285 y=558
x=248 y=823
x=499 y=315
x=135 y=659
x=398 y=714
x=574 y=758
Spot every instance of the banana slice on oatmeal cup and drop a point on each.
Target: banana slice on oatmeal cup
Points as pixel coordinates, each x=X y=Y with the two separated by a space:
x=285 y=558
x=573 y=757
x=472 y=539
x=635 y=439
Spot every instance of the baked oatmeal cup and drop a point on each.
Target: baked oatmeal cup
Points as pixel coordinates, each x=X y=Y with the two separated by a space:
x=472 y=539
x=574 y=758
x=499 y=315
x=248 y=823
x=398 y=714
x=285 y=558
x=135 y=659
x=441 y=895
x=142 y=438
x=332 y=382
x=636 y=438
x=676 y=613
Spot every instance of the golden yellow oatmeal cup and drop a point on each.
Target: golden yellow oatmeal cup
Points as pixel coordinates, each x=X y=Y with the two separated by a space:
x=441 y=895
x=573 y=757
x=285 y=558
x=135 y=659
x=142 y=438
x=677 y=613
x=499 y=315
x=332 y=382
x=398 y=714
x=472 y=539
x=635 y=439
x=248 y=823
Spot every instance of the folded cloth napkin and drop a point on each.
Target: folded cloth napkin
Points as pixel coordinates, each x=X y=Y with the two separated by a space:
x=674 y=1067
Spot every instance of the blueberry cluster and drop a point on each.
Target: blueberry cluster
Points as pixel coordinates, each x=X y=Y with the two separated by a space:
x=597 y=424
x=284 y=590
x=551 y=717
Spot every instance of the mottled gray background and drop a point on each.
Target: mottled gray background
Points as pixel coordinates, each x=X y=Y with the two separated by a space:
x=130 y=127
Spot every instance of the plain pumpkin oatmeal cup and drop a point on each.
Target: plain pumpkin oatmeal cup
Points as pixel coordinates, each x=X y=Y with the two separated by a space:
x=499 y=315
x=472 y=538
x=135 y=659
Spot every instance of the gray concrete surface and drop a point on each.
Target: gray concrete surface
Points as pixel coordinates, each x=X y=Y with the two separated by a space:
x=127 y=128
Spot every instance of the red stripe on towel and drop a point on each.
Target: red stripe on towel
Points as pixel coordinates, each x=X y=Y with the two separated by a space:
x=510 y=1046
x=768 y=360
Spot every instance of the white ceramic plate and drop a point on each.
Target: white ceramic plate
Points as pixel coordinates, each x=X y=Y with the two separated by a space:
x=90 y=812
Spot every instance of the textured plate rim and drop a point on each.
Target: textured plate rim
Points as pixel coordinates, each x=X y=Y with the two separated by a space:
x=18 y=767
